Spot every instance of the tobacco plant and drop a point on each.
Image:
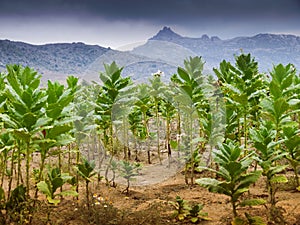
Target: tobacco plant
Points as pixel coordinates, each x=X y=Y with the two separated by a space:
x=129 y=171
x=157 y=88
x=24 y=116
x=144 y=104
x=242 y=86
x=55 y=179
x=86 y=170
x=189 y=81
x=292 y=144
x=183 y=210
x=268 y=156
x=168 y=111
x=112 y=85
x=235 y=179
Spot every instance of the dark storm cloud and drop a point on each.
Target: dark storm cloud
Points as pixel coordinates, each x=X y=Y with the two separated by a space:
x=154 y=10
x=101 y=22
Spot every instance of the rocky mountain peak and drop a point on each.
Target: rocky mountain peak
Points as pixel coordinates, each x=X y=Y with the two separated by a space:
x=166 y=34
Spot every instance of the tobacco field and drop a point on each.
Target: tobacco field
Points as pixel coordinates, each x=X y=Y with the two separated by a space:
x=198 y=149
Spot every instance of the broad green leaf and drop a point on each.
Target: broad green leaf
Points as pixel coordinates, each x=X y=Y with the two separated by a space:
x=207 y=182
x=194 y=219
x=29 y=120
x=42 y=122
x=233 y=168
x=54 y=110
x=238 y=221
x=183 y=74
x=255 y=220
x=22 y=134
x=27 y=98
x=275 y=89
x=44 y=188
x=57 y=182
x=279 y=179
x=8 y=120
x=58 y=130
x=277 y=169
x=12 y=79
x=280 y=107
x=250 y=178
x=69 y=193
x=253 y=202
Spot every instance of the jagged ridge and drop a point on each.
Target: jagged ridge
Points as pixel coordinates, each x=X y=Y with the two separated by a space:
x=166 y=49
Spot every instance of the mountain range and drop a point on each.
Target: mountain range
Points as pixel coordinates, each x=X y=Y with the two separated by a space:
x=165 y=51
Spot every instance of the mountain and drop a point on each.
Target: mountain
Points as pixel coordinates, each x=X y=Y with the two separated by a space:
x=165 y=51
x=166 y=34
x=57 y=61
x=267 y=49
x=53 y=61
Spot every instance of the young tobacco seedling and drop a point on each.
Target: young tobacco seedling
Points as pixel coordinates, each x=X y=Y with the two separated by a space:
x=128 y=171
x=86 y=170
x=55 y=180
x=183 y=210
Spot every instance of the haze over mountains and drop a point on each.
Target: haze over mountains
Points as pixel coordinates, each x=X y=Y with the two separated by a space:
x=165 y=52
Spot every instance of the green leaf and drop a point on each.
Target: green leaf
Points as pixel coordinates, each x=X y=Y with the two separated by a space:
x=247 y=179
x=29 y=120
x=22 y=134
x=279 y=179
x=181 y=217
x=208 y=182
x=277 y=169
x=280 y=106
x=42 y=121
x=54 y=110
x=53 y=201
x=183 y=74
x=241 y=99
x=69 y=193
x=275 y=89
x=233 y=168
x=255 y=220
x=194 y=219
x=58 y=130
x=12 y=80
x=57 y=182
x=27 y=98
x=2 y=194
x=253 y=202
x=173 y=144
x=115 y=76
x=8 y=120
x=44 y=188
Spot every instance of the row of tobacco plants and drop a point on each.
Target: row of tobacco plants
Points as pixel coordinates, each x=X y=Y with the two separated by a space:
x=240 y=124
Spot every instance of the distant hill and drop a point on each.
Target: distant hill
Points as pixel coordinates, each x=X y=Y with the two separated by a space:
x=268 y=49
x=54 y=61
x=164 y=51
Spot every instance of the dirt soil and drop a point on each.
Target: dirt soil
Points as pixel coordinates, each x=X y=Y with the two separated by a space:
x=150 y=204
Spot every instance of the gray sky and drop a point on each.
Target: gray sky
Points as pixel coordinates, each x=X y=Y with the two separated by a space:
x=115 y=23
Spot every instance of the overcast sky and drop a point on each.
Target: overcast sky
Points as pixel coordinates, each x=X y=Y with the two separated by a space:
x=116 y=23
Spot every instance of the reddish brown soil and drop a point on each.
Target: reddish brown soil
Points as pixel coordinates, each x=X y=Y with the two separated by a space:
x=151 y=205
